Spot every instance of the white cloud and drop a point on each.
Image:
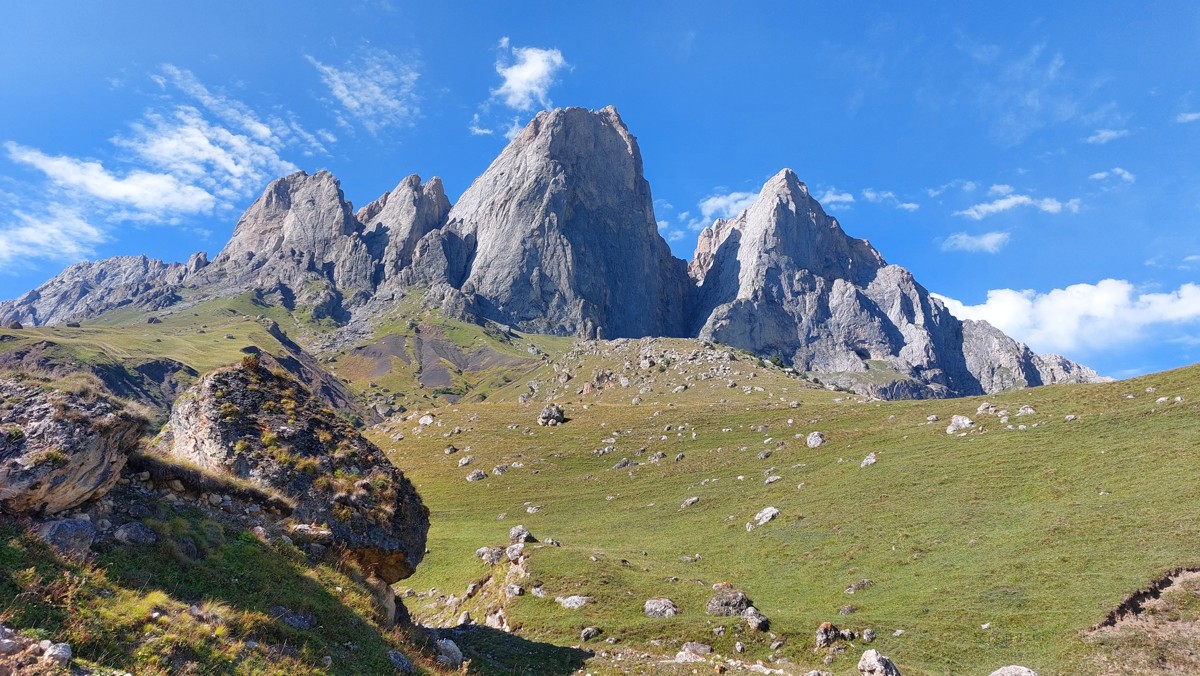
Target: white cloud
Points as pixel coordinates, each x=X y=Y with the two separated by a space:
x=1000 y=189
x=59 y=234
x=528 y=75
x=888 y=197
x=1082 y=317
x=1115 y=172
x=663 y=225
x=965 y=185
x=1183 y=118
x=1103 y=136
x=727 y=205
x=149 y=192
x=832 y=199
x=379 y=90
x=1011 y=201
x=476 y=129
x=989 y=242
x=514 y=128
x=676 y=235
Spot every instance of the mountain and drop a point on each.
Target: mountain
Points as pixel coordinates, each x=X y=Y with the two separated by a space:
x=558 y=236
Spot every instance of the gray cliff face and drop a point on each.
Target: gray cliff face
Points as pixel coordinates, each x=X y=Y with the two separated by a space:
x=558 y=235
x=783 y=279
x=300 y=239
x=92 y=288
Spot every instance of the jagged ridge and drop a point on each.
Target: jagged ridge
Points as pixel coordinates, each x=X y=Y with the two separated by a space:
x=558 y=236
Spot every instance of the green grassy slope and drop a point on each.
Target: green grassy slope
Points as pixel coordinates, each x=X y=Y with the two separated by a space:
x=1034 y=533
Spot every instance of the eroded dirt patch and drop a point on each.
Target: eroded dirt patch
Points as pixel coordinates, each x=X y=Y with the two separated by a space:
x=1156 y=630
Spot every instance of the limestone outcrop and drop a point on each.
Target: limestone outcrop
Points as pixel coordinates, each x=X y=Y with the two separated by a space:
x=254 y=421
x=59 y=449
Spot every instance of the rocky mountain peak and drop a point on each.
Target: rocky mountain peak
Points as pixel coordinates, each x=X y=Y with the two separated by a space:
x=559 y=236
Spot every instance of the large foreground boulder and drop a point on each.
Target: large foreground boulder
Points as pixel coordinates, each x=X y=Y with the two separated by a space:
x=59 y=449
x=256 y=422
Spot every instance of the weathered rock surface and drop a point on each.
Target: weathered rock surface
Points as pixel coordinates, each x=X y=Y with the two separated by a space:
x=660 y=607
x=91 y=288
x=59 y=449
x=1014 y=670
x=256 y=422
x=558 y=235
x=873 y=664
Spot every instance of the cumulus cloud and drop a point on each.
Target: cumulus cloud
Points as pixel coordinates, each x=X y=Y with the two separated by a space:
x=1082 y=317
x=1012 y=200
x=727 y=205
x=1115 y=172
x=59 y=234
x=832 y=199
x=476 y=127
x=528 y=73
x=1103 y=136
x=153 y=193
x=988 y=242
x=1184 y=118
x=889 y=198
x=379 y=89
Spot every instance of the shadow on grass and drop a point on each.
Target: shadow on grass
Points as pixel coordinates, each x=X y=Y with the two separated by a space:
x=492 y=651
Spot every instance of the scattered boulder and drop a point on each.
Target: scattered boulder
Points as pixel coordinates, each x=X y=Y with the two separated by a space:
x=696 y=648
x=1026 y=410
x=520 y=534
x=135 y=534
x=476 y=475
x=727 y=603
x=256 y=422
x=490 y=555
x=448 y=654
x=623 y=463
x=815 y=439
x=755 y=619
x=573 y=602
x=514 y=552
x=660 y=607
x=425 y=420
x=827 y=635
x=867 y=461
x=552 y=415
x=589 y=633
x=58 y=449
x=763 y=517
x=868 y=635
x=689 y=502
x=959 y=423
x=403 y=665
x=58 y=654
x=72 y=537
x=1014 y=670
x=874 y=664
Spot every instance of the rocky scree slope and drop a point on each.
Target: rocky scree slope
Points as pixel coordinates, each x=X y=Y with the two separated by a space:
x=558 y=236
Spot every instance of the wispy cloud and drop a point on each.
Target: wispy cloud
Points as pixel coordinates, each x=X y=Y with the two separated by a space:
x=59 y=233
x=727 y=205
x=477 y=129
x=378 y=89
x=988 y=242
x=888 y=198
x=1083 y=317
x=528 y=73
x=151 y=193
x=197 y=152
x=833 y=199
x=962 y=184
x=1012 y=200
x=1024 y=95
x=1102 y=136
x=1115 y=172
x=1184 y=118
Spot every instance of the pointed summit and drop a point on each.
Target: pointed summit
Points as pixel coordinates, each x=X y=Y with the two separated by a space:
x=558 y=235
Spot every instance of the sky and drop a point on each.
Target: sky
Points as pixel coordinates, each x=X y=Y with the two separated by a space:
x=1034 y=164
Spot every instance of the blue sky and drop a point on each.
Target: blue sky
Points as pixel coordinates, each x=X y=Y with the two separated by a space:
x=1037 y=166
